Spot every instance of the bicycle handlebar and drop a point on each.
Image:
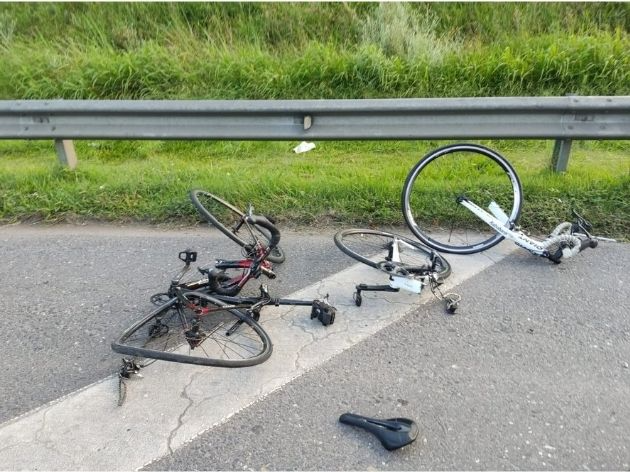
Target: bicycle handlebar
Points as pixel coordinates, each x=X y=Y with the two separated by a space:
x=588 y=242
x=264 y=222
x=568 y=243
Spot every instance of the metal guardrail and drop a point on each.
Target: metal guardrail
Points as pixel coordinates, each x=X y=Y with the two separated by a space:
x=560 y=118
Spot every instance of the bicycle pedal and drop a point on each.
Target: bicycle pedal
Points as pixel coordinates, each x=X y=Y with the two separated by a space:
x=129 y=369
x=187 y=256
x=324 y=312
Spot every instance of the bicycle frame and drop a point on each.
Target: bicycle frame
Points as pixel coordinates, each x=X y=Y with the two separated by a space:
x=253 y=265
x=227 y=289
x=407 y=277
x=501 y=224
x=413 y=285
x=202 y=285
x=566 y=240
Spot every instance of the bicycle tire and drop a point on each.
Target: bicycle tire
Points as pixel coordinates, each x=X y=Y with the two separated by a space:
x=228 y=219
x=429 y=197
x=176 y=332
x=371 y=247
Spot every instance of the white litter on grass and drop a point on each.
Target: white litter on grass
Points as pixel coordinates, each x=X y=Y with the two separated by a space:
x=303 y=147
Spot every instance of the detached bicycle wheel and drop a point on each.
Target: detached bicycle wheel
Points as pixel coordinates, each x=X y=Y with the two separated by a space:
x=231 y=221
x=202 y=331
x=429 y=197
x=372 y=247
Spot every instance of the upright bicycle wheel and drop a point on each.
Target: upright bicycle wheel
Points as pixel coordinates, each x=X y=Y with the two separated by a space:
x=372 y=247
x=200 y=330
x=429 y=197
x=231 y=221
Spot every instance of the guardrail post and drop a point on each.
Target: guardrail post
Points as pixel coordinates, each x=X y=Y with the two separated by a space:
x=560 y=156
x=66 y=153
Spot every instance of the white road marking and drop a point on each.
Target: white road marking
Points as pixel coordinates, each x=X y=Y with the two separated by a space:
x=174 y=403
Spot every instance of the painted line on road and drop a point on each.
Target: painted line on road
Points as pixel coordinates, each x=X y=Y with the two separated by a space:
x=174 y=403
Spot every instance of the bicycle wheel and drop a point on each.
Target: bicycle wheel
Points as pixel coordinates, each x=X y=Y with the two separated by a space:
x=202 y=331
x=429 y=197
x=372 y=247
x=231 y=221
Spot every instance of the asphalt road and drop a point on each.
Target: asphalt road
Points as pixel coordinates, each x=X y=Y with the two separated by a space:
x=68 y=291
x=532 y=373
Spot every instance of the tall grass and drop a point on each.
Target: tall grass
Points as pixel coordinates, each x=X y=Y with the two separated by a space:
x=400 y=30
x=302 y=50
x=290 y=25
x=311 y=50
x=589 y=65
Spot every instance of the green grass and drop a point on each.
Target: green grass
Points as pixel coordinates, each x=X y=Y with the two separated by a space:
x=296 y=51
x=594 y=64
x=312 y=50
x=292 y=25
x=356 y=183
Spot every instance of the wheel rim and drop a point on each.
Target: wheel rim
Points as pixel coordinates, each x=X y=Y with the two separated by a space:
x=198 y=334
x=229 y=220
x=220 y=213
x=372 y=247
x=430 y=196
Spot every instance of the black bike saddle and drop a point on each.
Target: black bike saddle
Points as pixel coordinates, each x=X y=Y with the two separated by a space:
x=393 y=433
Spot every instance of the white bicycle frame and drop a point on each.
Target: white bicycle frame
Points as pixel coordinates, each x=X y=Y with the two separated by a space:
x=411 y=284
x=501 y=224
x=400 y=278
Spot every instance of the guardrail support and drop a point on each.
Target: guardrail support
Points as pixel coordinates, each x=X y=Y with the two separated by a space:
x=66 y=153
x=560 y=156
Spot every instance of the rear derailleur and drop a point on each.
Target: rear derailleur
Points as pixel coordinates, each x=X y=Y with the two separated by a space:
x=128 y=369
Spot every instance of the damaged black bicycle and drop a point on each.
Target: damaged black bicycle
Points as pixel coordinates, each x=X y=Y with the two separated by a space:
x=205 y=321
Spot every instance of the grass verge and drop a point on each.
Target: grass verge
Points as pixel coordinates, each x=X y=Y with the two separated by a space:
x=356 y=183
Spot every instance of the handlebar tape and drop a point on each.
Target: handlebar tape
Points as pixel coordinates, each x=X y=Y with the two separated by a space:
x=265 y=223
x=592 y=243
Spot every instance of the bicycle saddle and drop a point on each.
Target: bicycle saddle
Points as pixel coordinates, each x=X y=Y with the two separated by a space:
x=393 y=433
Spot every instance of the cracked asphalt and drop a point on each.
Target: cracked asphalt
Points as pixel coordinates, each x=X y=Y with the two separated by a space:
x=68 y=290
x=531 y=373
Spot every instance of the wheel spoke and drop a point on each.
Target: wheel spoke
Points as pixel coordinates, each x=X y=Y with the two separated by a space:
x=202 y=340
x=230 y=221
x=430 y=194
x=372 y=247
